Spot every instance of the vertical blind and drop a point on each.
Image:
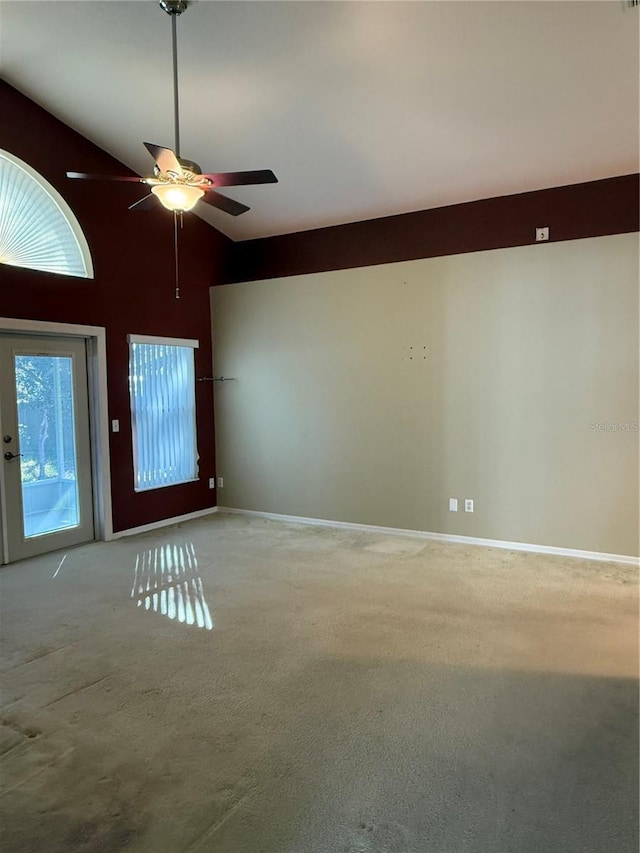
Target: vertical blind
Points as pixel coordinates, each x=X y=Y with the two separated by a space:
x=163 y=411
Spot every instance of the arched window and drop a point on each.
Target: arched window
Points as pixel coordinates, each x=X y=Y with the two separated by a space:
x=38 y=229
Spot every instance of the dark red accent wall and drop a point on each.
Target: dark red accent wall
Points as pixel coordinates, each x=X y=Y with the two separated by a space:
x=132 y=292
x=572 y=212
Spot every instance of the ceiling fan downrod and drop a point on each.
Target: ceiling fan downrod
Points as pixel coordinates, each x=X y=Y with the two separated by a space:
x=173 y=8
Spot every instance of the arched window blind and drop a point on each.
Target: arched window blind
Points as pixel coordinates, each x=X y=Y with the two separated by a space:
x=38 y=229
x=163 y=411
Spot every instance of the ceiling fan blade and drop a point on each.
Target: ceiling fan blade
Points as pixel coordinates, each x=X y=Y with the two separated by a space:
x=144 y=203
x=238 y=179
x=84 y=176
x=229 y=205
x=165 y=158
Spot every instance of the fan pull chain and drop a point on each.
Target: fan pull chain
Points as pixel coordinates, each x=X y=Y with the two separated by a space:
x=175 y=248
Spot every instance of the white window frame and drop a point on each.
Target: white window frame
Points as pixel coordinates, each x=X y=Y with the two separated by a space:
x=171 y=342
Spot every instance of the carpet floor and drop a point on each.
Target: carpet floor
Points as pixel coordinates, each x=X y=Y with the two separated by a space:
x=241 y=685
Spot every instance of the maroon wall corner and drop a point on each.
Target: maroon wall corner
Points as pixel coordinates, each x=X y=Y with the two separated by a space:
x=132 y=292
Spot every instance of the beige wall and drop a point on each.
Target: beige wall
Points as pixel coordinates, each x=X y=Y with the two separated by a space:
x=373 y=395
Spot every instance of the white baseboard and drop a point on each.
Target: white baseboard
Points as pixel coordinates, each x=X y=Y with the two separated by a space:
x=441 y=537
x=165 y=522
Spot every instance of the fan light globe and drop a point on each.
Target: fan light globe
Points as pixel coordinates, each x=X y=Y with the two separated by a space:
x=177 y=197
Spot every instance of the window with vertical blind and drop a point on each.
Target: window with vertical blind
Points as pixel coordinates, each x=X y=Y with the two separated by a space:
x=163 y=411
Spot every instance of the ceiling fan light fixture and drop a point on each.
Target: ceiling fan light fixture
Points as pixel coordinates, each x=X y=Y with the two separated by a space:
x=177 y=197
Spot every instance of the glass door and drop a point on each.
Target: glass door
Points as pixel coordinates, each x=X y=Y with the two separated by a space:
x=47 y=495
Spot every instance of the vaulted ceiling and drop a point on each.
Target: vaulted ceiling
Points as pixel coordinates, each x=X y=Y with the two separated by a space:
x=362 y=109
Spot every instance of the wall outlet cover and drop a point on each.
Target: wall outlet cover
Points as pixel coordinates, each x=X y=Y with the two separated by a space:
x=542 y=234
x=212 y=482
x=453 y=504
x=468 y=505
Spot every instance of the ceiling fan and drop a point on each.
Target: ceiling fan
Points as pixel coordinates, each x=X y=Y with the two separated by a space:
x=179 y=184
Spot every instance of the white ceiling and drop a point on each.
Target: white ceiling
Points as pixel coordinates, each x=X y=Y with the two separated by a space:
x=362 y=109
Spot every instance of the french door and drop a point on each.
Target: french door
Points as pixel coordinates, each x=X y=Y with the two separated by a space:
x=46 y=494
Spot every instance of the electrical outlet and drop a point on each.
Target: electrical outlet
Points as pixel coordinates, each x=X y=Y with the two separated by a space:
x=542 y=234
x=453 y=504
x=115 y=425
x=468 y=505
x=221 y=482
x=212 y=482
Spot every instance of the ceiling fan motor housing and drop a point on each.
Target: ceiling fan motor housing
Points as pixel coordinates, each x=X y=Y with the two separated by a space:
x=190 y=166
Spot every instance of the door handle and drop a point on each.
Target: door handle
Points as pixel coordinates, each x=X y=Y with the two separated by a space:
x=9 y=456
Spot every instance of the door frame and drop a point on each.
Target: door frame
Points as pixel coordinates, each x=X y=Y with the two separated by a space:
x=96 y=341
